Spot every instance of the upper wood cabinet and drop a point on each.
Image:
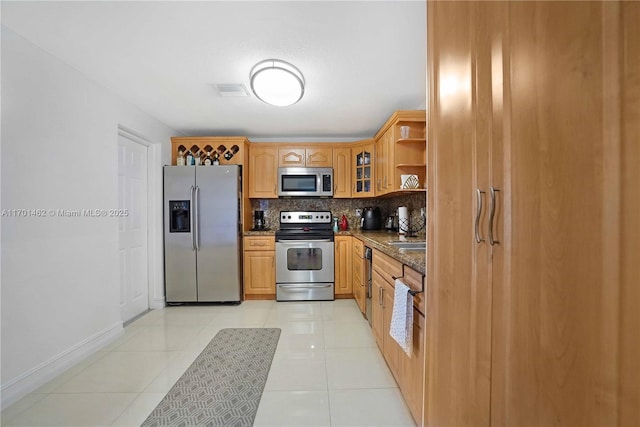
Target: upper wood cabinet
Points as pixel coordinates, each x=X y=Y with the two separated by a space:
x=362 y=181
x=303 y=156
x=230 y=150
x=290 y=156
x=381 y=155
x=398 y=155
x=533 y=171
x=263 y=171
x=341 y=172
x=319 y=157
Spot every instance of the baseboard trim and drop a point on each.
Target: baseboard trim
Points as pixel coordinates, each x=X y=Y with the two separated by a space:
x=157 y=303
x=36 y=377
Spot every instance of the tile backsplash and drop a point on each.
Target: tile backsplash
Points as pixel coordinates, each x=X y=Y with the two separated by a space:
x=339 y=207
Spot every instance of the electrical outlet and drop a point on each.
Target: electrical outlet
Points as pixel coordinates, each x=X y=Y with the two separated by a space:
x=358 y=212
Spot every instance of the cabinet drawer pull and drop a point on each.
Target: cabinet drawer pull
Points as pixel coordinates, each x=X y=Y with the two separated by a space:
x=493 y=192
x=479 y=194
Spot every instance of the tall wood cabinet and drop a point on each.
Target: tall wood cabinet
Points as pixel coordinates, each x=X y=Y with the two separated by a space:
x=534 y=232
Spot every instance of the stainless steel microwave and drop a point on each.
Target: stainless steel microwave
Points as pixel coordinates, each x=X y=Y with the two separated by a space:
x=305 y=182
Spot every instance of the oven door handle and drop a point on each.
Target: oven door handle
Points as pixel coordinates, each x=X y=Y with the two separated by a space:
x=304 y=286
x=295 y=242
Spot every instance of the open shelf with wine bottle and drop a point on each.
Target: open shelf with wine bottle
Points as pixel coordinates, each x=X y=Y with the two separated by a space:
x=208 y=150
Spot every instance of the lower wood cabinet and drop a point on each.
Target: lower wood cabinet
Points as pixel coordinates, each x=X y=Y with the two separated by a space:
x=385 y=269
x=358 y=274
x=259 y=267
x=342 y=266
x=408 y=371
x=412 y=371
x=377 y=316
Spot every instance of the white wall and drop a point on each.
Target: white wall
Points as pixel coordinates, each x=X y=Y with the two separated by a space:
x=60 y=276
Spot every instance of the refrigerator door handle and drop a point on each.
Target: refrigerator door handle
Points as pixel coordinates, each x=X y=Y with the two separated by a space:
x=197 y=216
x=191 y=217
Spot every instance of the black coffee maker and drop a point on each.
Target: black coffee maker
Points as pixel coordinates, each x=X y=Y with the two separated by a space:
x=371 y=219
x=258 y=220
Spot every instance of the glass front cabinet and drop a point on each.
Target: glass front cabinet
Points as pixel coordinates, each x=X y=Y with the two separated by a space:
x=363 y=178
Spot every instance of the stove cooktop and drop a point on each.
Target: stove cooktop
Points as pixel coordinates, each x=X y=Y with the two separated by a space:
x=308 y=219
x=301 y=225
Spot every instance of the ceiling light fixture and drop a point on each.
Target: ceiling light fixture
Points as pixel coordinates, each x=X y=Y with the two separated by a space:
x=277 y=82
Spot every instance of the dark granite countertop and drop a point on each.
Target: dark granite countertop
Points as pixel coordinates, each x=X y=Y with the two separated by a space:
x=380 y=241
x=259 y=233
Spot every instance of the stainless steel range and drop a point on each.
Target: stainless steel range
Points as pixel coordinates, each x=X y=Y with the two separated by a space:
x=304 y=257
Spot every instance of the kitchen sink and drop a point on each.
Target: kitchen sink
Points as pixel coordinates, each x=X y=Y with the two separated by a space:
x=409 y=246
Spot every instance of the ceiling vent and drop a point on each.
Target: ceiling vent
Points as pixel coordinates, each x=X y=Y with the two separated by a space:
x=231 y=90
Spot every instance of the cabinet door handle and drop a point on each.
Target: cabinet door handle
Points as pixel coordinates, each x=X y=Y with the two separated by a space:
x=493 y=192
x=479 y=194
x=380 y=296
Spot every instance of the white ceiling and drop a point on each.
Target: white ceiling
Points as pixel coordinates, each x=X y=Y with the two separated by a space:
x=361 y=60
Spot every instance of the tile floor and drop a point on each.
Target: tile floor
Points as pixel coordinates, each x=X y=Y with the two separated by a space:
x=327 y=370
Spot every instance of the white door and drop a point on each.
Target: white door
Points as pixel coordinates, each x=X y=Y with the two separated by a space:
x=134 y=261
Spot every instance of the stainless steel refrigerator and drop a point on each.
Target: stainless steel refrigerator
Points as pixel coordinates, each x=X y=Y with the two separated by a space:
x=202 y=229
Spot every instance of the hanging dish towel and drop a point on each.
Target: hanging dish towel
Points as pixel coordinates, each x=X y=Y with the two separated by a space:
x=401 y=328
